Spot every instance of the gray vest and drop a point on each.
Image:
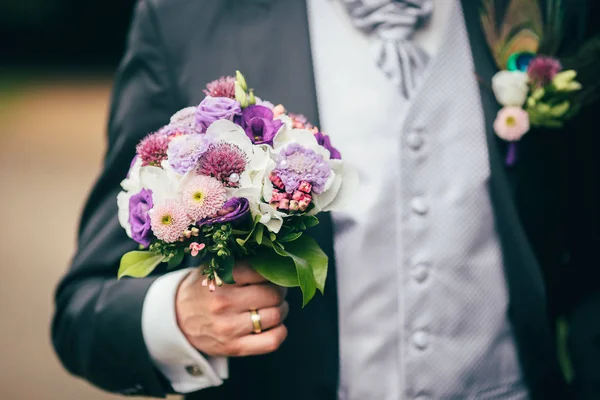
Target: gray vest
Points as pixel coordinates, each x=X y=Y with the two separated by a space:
x=427 y=319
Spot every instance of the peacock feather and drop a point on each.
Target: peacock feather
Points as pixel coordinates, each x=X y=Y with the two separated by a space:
x=522 y=30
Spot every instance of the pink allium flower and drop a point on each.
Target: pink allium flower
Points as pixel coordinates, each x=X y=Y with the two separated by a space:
x=225 y=162
x=223 y=87
x=152 y=150
x=511 y=123
x=203 y=197
x=542 y=70
x=169 y=221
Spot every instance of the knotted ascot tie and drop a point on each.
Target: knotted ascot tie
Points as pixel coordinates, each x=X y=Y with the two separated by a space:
x=391 y=24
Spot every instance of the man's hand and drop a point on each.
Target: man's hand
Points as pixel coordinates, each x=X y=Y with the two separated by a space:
x=218 y=323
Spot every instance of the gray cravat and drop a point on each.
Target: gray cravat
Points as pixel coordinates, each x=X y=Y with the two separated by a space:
x=391 y=24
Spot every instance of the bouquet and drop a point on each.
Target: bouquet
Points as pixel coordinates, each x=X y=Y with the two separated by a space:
x=235 y=177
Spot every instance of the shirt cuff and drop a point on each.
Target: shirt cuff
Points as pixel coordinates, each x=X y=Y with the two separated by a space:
x=185 y=368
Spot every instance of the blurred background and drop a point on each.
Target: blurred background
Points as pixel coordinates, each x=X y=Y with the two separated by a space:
x=57 y=59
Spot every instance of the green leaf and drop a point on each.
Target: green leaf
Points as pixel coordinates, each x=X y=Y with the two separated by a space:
x=290 y=237
x=139 y=264
x=273 y=267
x=306 y=248
x=242 y=242
x=176 y=259
x=226 y=270
x=258 y=233
x=310 y=221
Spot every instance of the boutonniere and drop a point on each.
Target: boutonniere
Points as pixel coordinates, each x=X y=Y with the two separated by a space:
x=532 y=86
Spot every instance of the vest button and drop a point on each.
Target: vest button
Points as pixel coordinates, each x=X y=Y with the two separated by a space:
x=420 y=339
x=419 y=205
x=420 y=272
x=414 y=140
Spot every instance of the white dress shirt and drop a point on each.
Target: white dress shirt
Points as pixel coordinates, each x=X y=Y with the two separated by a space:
x=341 y=55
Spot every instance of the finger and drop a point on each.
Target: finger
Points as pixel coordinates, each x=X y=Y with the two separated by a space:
x=243 y=274
x=269 y=318
x=255 y=297
x=261 y=343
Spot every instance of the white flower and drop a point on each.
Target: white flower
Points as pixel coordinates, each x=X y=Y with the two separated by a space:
x=123 y=213
x=132 y=182
x=269 y=216
x=341 y=186
x=164 y=182
x=131 y=185
x=511 y=88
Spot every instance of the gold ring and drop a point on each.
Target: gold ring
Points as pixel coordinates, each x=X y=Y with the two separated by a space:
x=255 y=317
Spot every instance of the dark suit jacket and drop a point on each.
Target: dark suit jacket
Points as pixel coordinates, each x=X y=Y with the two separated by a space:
x=545 y=210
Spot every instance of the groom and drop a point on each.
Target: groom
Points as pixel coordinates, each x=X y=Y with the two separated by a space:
x=449 y=274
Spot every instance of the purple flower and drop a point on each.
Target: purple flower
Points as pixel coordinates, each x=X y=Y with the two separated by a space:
x=296 y=163
x=543 y=69
x=325 y=141
x=233 y=210
x=185 y=151
x=259 y=125
x=212 y=109
x=139 y=205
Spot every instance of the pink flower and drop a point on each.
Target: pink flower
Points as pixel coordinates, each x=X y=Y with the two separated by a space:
x=276 y=180
x=277 y=196
x=196 y=248
x=278 y=110
x=152 y=150
x=305 y=187
x=203 y=197
x=542 y=70
x=223 y=87
x=169 y=221
x=511 y=123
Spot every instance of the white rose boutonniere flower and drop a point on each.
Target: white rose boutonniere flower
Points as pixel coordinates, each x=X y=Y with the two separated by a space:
x=511 y=88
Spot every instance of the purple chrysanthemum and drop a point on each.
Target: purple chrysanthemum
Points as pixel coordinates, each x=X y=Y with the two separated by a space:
x=543 y=69
x=223 y=87
x=224 y=162
x=296 y=163
x=153 y=149
x=185 y=151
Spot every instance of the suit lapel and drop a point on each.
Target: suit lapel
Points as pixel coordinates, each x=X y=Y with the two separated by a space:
x=527 y=305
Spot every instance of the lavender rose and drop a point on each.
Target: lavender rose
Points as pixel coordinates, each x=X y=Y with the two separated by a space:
x=212 y=109
x=325 y=141
x=139 y=205
x=233 y=210
x=259 y=125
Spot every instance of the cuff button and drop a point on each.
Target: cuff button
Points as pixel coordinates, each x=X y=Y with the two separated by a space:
x=194 y=370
